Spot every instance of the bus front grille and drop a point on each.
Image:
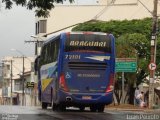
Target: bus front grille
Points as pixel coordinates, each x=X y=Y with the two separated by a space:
x=87 y=66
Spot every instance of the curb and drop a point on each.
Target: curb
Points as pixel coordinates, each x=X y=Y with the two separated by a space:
x=126 y=109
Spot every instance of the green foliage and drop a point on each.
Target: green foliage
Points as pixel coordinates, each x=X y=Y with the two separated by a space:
x=118 y=28
x=42 y=6
x=123 y=49
x=132 y=40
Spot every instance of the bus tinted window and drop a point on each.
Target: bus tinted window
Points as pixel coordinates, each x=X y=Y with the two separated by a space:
x=88 y=42
x=50 y=52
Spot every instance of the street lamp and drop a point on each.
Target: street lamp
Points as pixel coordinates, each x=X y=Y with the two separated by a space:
x=17 y=51
x=38 y=43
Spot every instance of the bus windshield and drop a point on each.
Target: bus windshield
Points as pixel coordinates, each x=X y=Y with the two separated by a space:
x=88 y=43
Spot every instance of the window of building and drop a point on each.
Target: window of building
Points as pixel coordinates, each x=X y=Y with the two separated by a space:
x=41 y=27
x=8 y=67
x=36 y=32
x=18 y=85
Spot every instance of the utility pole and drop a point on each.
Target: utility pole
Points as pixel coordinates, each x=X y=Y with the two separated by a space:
x=23 y=82
x=11 y=83
x=153 y=52
x=38 y=44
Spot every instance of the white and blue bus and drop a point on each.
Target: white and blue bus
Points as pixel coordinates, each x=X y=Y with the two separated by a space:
x=77 y=69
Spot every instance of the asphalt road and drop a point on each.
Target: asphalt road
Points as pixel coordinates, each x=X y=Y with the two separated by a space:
x=36 y=113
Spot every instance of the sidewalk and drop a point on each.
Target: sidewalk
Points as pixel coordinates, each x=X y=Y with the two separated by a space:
x=129 y=107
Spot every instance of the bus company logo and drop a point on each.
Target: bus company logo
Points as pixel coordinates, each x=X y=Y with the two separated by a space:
x=88 y=43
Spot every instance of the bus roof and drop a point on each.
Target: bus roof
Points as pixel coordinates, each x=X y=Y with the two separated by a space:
x=51 y=39
x=77 y=32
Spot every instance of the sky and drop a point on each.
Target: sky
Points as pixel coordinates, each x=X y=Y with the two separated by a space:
x=16 y=26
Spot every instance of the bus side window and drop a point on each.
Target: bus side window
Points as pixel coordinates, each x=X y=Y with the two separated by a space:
x=49 y=53
x=36 y=65
x=56 y=50
x=45 y=55
x=52 y=51
x=41 y=60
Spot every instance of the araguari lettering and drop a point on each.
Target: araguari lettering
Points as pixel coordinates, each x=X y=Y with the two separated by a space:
x=88 y=43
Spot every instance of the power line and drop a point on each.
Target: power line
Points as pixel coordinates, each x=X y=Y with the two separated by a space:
x=145 y=7
x=100 y=13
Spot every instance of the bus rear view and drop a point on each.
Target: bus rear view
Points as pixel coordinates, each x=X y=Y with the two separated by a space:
x=87 y=74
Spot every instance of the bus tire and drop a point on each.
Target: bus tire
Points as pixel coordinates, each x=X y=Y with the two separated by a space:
x=101 y=108
x=93 y=108
x=81 y=108
x=44 y=105
x=61 y=107
x=54 y=107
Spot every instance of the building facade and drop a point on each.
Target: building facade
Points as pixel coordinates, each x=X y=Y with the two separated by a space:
x=14 y=90
x=67 y=14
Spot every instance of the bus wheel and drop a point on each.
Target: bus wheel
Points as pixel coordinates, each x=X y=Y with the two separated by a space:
x=101 y=108
x=61 y=107
x=93 y=108
x=44 y=105
x=54 y=107
x=81 y=108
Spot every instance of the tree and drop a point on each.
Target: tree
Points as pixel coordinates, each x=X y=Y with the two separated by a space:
x=133 y=45
x=42 y=6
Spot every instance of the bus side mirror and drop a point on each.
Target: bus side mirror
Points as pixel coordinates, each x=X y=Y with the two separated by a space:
x=36 y=65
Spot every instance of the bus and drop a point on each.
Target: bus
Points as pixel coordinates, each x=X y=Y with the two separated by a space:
x=77 y=69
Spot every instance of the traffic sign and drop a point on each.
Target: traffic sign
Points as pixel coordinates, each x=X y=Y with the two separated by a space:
x=30 y=85
x=152 y=66
x=126 y=65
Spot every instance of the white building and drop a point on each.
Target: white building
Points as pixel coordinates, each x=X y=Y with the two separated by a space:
x=14 y=66
x=64 y=15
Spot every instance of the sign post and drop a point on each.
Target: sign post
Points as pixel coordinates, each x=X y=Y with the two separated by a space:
x=125 y=65
x=153 y=52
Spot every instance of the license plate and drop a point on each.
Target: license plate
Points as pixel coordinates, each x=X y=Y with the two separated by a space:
x=86 y=97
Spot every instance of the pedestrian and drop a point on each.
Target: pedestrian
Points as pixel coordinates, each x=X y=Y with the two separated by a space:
x=140 y=98
x=136 y=101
